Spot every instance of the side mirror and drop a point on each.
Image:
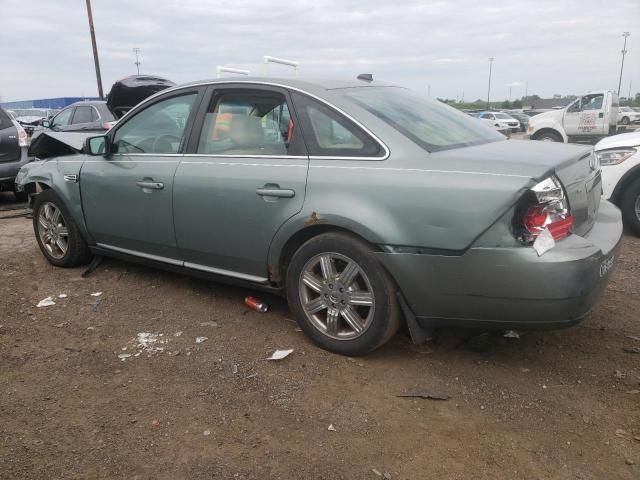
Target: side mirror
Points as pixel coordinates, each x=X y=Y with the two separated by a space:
x=96 y=145
x=46 y=124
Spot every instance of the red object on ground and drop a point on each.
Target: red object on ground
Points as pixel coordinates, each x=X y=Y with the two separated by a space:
x=255 y=304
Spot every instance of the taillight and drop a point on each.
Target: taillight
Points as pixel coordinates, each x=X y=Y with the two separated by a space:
x=23 y=138
x=543 y=207
x=108 y=125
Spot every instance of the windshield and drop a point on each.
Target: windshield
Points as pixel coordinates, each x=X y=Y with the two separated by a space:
x=432 y=125
x=30 y=113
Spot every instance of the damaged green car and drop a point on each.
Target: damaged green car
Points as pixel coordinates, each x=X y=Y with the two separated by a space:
x=365 y=205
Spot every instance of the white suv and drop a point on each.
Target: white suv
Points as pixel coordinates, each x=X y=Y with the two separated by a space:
x=619 y=157
x=627 y=116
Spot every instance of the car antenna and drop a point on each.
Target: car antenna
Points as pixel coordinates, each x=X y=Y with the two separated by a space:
x=366 y=77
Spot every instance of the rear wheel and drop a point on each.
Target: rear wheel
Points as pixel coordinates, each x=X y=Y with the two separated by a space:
x=630 y=206
x=625 y=121
x=341 y=296
x=57 y=234
x=549 y=137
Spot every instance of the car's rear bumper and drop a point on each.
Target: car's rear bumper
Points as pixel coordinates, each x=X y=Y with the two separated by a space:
x=9 y=170
x=511 y=287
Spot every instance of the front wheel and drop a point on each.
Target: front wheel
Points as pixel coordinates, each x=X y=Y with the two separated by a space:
x=630 y=206
x=341 y=296
x=57 y=234
x=549 y=137
x=625 y=121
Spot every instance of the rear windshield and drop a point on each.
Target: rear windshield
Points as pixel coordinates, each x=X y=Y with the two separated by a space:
x=5 y=121
x=431 y=124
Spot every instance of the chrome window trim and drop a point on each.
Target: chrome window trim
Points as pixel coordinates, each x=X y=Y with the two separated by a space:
x=180 y=263
x=386 y=150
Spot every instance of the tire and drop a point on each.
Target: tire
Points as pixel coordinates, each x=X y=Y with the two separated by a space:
x=549 y=137
x=51 y=219
x=21 y=196
x=625 y=121
x=316 y=278
x=630 y=206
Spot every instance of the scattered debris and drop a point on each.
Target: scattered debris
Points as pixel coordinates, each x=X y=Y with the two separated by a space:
x=47 y=302
x=96 y=294
x=511 y=334
x=631 y=349
x=147 y=341
x=377 y=472
x=255 y=304
x=251 y=376
x=124 y=356
x=177 y=334
x=201 y=339
x=633 y=392
x=525 y=370
x=424 y=393
x=206 y=433
x=210 y=323
x=62 y=295
x=628 y=461
x=618 y=374
x=387 y=476
x=96 y=304
x=331 y=428
x=60 y=325
x=280 y=354
x=633 y=337
x=155 y=422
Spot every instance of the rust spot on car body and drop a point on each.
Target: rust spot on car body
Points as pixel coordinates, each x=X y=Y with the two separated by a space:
x=314 y=219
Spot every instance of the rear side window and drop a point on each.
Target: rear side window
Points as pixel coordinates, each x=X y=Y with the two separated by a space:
x=82 y=115
x=328 y=133
x=247 y=123
x=5 y=121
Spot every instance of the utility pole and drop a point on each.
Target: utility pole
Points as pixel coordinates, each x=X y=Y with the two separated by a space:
x=526 y=89
x=489 y=88
x=137 y=62
x=624 y=52
x=429 y=91
x=510 y=87
x=95 y=50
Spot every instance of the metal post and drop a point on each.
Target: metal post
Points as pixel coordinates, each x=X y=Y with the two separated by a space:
x=237 y=71
x=624 y=51
x=289 y=63
x=137 y=62
x=95 y=50
x=489 y=88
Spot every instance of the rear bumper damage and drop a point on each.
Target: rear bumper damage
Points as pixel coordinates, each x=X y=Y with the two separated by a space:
x=510 y=288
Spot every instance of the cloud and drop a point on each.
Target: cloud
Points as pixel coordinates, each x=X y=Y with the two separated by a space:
x=557 y=47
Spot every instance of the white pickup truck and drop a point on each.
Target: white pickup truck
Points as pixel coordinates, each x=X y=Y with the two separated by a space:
x=587 y=119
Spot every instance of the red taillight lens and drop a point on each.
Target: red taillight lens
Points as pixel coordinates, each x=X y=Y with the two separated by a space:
x=543 y=207
x=539 y=217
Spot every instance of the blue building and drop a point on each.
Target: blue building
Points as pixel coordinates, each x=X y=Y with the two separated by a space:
x=49 y=103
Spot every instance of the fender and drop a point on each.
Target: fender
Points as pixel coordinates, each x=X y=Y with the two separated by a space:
x=61 y=175
x=620 y=187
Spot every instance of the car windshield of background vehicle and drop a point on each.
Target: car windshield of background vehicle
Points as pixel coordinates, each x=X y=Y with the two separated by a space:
x=247 y=123
x=504 y=116
x=157 y=129
x=432 y=125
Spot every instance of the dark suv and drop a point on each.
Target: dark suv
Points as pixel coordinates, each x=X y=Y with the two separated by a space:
x=13 y=152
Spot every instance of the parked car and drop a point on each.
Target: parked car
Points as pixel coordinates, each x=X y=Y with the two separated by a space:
x=13 y=153
x=497 y=125
x=84 y=116
x=619 y=157
x=30 y=118
x=365 y=205
x=627 y=116
x=508 y=120
x=522 y=117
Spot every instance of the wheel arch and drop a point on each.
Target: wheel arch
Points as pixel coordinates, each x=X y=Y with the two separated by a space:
x=623 y=183
x=540 y=132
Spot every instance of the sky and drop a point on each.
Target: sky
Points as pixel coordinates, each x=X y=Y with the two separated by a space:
x=542 y=47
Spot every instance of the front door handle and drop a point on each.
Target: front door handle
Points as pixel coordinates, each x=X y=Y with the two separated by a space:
x=601 y=115
x=271 y=190
x=147 y=185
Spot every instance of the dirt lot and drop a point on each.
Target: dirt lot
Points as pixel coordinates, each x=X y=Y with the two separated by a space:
x=550 y=405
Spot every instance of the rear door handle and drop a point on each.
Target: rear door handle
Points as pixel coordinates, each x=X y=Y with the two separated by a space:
x=275 y=191
x=145 y=185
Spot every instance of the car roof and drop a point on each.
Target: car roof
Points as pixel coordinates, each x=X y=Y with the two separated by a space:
x=94 y=103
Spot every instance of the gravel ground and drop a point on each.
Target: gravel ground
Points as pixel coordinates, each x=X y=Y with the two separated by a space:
x=83 y=395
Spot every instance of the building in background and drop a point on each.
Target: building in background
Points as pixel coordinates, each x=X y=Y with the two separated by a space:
x=48 y=103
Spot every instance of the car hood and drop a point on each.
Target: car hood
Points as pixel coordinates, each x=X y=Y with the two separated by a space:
x=54 y=144
x=544 y=116
x=513 y=158
x=617 y=141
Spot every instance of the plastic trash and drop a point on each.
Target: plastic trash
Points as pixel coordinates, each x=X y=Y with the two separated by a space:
x=201 y=339
x=96 y=294
x=255 y=304
x=280 y=354
x=47 y=302
x=331 y=428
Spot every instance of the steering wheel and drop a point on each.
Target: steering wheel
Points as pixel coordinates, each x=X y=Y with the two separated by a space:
x=164 y=147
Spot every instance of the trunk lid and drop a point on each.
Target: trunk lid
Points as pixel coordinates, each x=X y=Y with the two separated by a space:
x=128 y=92
x=574 y=165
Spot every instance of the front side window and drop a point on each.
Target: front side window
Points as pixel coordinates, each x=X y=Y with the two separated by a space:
x=82 y=115
x=432 y=125
x=63 y=118
x=328 y=133
x=247 y=123
x=592 y=102
x=157 y=129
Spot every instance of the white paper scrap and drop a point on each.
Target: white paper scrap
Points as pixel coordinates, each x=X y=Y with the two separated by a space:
x=280 y=354
x=544 y=242
x=96 y=294
x=47 y=302
x=201 y=339
x=331 y=428
x=62 y=295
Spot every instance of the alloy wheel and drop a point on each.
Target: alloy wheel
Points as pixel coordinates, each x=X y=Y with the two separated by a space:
x=336 y=296
x=637 y=207
x=52 y=230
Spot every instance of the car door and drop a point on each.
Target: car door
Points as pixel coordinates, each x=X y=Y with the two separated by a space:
x=244 y=175
x=61 y=121
x=9 y=142
x=127 y=194
x=586 y=116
